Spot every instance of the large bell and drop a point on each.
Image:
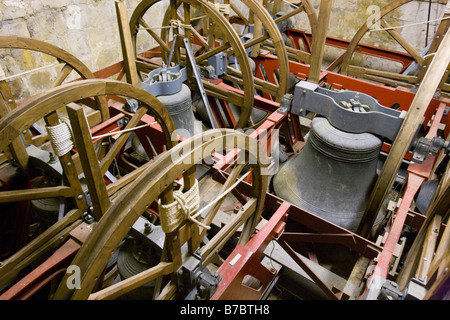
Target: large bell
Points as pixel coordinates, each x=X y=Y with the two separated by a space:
x=333 y=175
x=179 y=106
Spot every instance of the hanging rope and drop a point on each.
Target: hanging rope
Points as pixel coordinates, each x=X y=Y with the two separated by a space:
x=173 y=24
x=223 y=8
x=61 y=137
x=53 y=65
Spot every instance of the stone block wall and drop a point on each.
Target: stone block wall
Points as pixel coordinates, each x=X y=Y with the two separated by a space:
x=85 y=28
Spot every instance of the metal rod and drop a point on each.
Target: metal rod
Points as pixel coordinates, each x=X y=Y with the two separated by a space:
x=199 y=82
x=174 y=41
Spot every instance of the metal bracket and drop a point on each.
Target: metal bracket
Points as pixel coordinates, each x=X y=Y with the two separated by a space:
x=425 y=146
x=160 y=82
x=164 y=81
x=194 y=282
x=416 y=290
x=349 y=111
x=389 y=291
x=219 y=63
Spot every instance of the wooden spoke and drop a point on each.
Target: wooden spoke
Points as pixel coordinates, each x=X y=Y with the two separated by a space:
x=263 y=21
x=152 y=33
x=62 y=75
x=297 y=51
x=394 y=34
x=50 y=238
x=212 y=52
x=118 y=289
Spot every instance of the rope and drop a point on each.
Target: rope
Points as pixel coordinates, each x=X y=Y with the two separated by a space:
x=122 y=131
x=61 y=137
x=53 y=65
x=409 y=25
x=221 y=195
x=173 y=24
x=184 y=206
x=223 y=8
x=291 y=4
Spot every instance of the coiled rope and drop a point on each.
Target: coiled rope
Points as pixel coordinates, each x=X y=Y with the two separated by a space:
x=61 y=137
x=185 y=205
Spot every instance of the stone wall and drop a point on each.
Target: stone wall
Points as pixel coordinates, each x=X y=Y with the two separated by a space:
x=348 y=16
x=88 y=29
x=85 y=28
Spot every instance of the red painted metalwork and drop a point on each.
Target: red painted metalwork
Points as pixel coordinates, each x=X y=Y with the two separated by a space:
x=327 y=232
x=399 y=98
x=52 y=268
x=246 y=261
x=417 y=175
x=330 y=233
x=309 y=220
x=16 y=217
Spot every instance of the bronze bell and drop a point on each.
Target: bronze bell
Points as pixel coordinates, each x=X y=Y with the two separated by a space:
x=332 y=177
x=179 y=106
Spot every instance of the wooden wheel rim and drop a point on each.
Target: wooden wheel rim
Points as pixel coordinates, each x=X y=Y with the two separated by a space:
x=241 y=55
x=112 y=228
x=36 y=108
x=14 y=42
x=48 y=102
x=363 y=30
x=277 y=40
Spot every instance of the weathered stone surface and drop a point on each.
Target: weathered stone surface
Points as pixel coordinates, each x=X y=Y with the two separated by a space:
x=86 y=28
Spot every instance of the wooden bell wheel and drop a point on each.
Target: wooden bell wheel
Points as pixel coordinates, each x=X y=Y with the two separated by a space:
x=221 y=38
x=298 y=49
x=265 y=35
x=70 y=64
x=157 y=182
x=77 y=160
x=391 y=78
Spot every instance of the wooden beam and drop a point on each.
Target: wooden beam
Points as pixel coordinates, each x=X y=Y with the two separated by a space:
x=129 y=56
x=116 y=290
x=440 y=205
x=69 y=169
x=212 y=247
x=406 y=134
x=428 y=248
x=36 y=193
x=318 y=41
x=89 y=161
